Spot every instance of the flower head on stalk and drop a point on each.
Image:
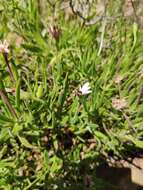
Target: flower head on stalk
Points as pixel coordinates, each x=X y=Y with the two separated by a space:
x=4 y=47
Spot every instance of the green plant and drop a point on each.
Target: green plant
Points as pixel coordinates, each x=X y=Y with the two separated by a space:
x=48 y=129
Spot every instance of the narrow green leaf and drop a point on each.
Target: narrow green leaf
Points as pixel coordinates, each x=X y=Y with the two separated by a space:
x=32 y=48
x=56 y=164
x=17 y=128
x=5 y=118
x=4 y=164
x=62 y=96
x=18 y=94
x=100 y=135
x=4 y=135
x=25 y=142
x=135 y=30
x=39 y=91
x=138 y=143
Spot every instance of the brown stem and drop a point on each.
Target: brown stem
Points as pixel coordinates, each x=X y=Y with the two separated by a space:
x=8 y=104
x=9 y=68
x=140 y=96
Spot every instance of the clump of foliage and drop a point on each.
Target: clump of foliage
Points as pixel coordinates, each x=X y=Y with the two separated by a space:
x=51 y=135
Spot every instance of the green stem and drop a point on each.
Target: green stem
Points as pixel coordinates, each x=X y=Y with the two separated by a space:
x=102 y=37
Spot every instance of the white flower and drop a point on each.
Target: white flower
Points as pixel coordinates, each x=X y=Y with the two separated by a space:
x=85 y=89
x=4 y=47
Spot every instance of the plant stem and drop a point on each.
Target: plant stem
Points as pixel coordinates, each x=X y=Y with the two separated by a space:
x=7 y=103
x=5 y=99
x=9 y=68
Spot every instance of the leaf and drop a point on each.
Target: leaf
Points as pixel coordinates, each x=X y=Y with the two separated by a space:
x=25 y=95
x=5 y=118
x=4 y=135
x=135 y=30
x=17 y=128
x=25 y=143
x=62 y=96
x=46 y=158
x=56 y=164
x=32 y=48
x=18 y=94
x=1 y=84
x=138 y=143
x=14 y=69
x=39 y=91
x=4 y=164
x=101 y=136
x=3 y=151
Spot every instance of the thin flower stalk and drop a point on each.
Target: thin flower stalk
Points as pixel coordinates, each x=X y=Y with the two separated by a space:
x=5 y=51
x=5 y=99
x=9 y=68
x=7 y=103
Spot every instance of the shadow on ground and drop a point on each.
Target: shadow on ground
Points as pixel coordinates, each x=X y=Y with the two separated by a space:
x=103 y=177
x=116 y=178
